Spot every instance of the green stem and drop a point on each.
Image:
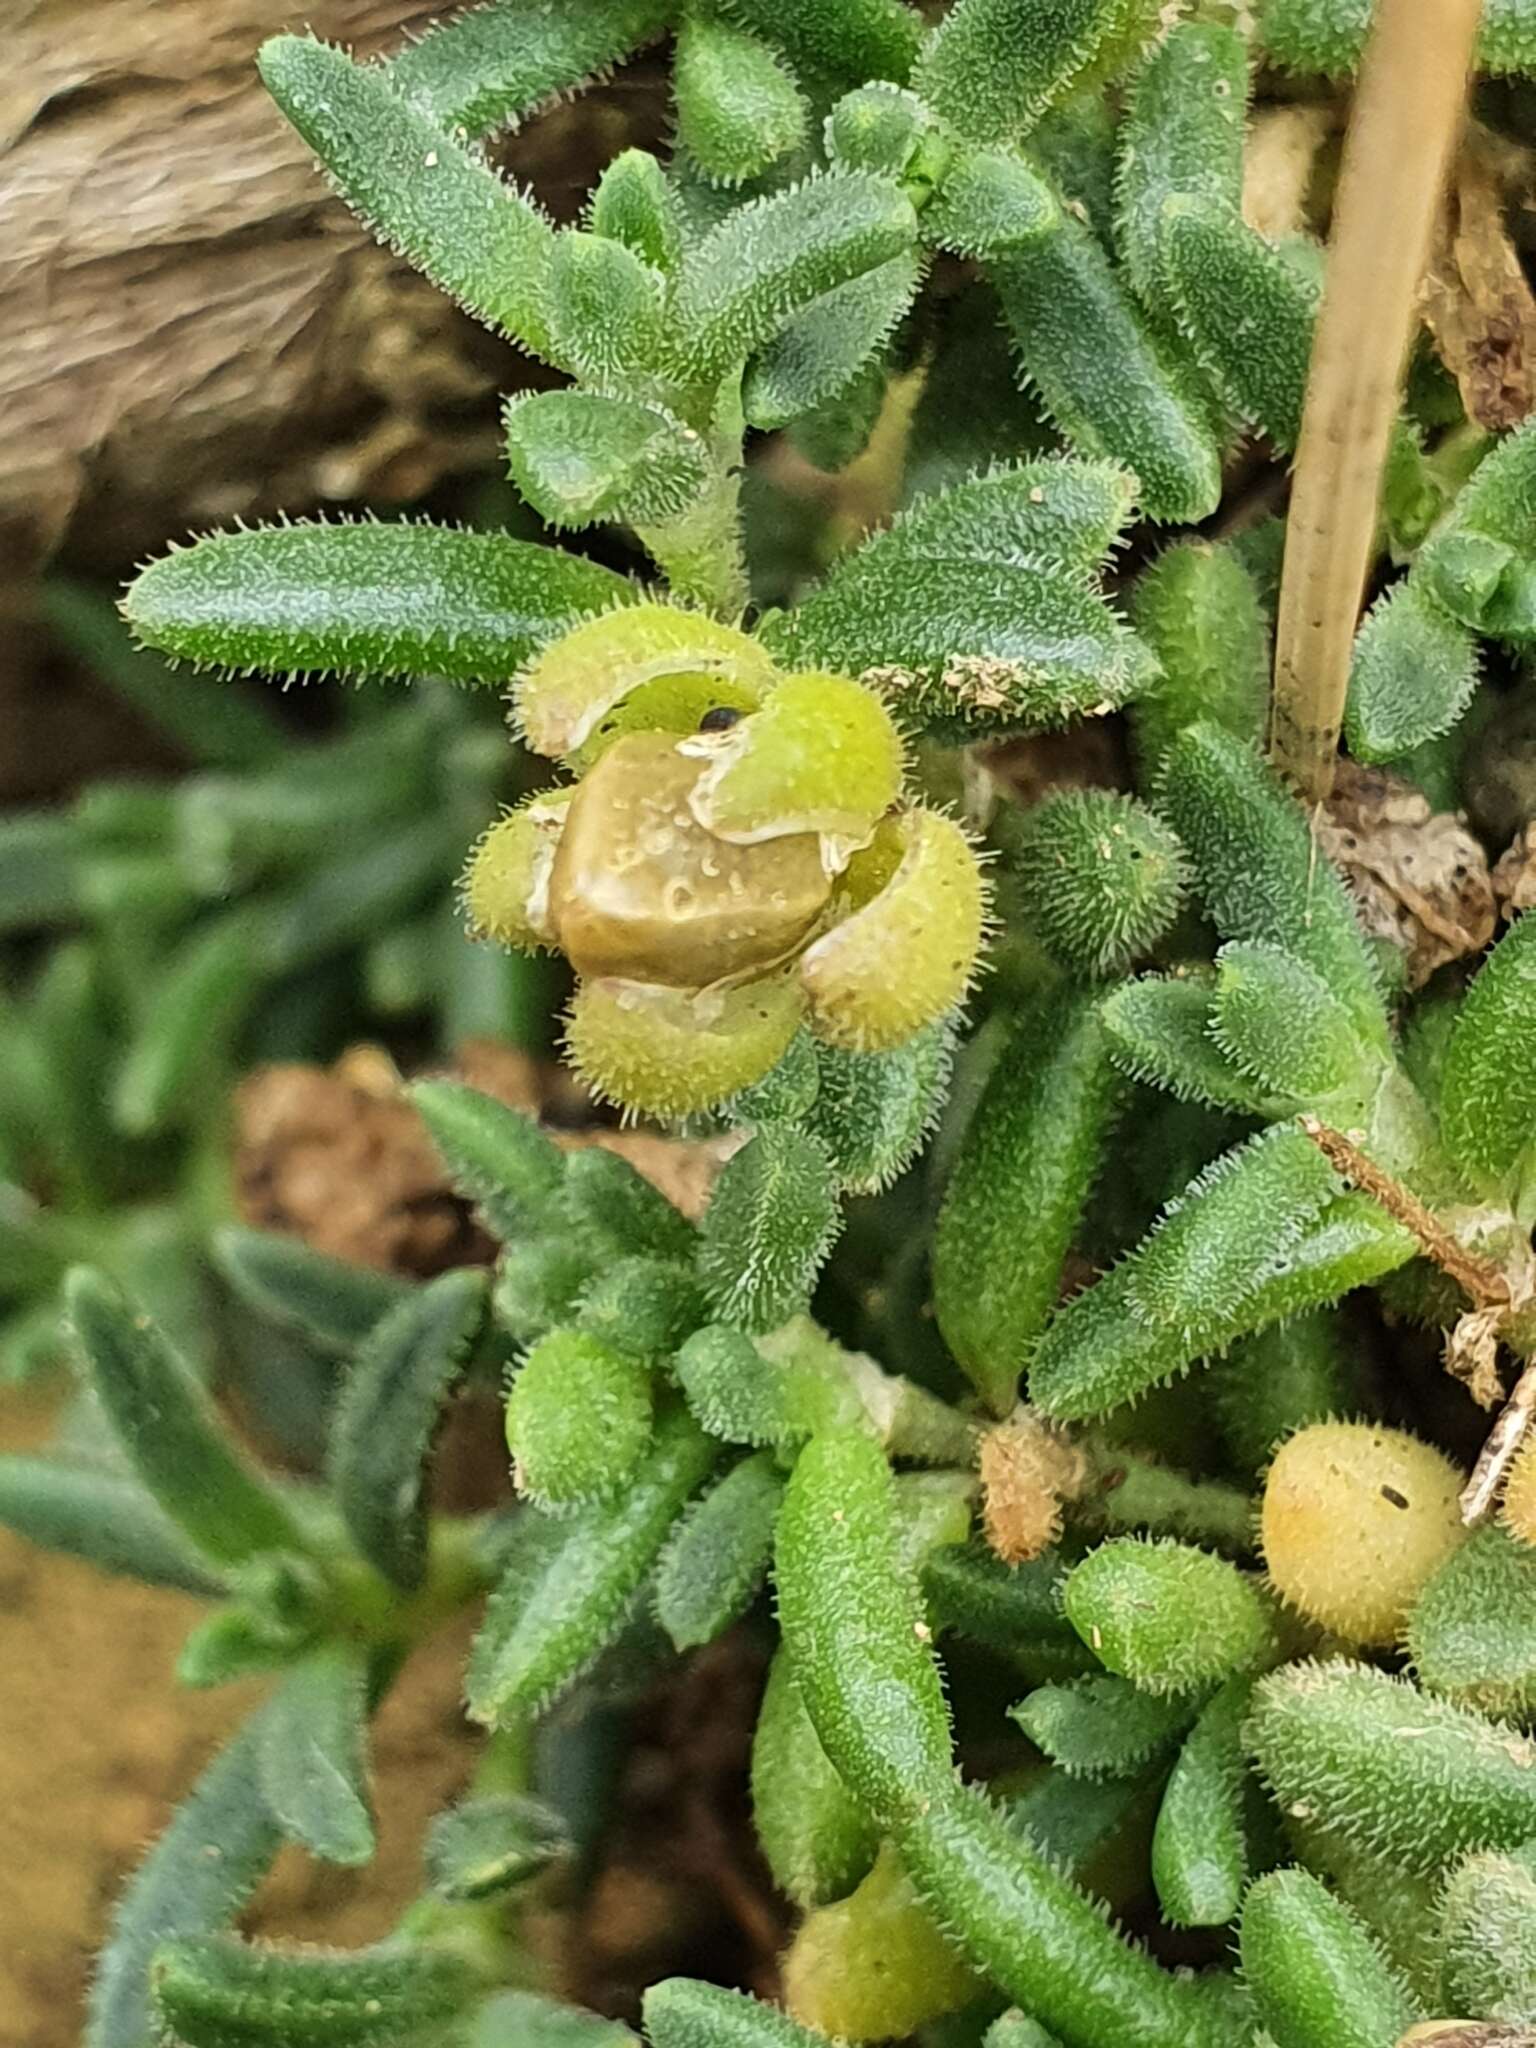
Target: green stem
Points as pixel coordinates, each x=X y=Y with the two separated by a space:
x=1130 y=1490
x=700 y=553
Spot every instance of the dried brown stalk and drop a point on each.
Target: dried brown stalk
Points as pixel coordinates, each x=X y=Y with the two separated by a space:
x=1407 y=115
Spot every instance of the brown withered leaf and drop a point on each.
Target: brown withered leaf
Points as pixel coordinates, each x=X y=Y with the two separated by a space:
x=1028 y=1469
x=1418 y=876
x=1477 y=303
x=1514 y=875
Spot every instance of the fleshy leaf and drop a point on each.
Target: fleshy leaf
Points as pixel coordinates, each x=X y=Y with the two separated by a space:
x=489 y=1845
x=579 y=457
x=718 y=1555
x=769 y=1227
x=976 y=607
x=847 y=41
x=366 y=600
x=1414 y=671
x=495 y=63
x=497 y=1157
x=213 y=1990
x=1488 y=1098
x=738 y=109
x=169 y=1430
x=105 y=1517
x=1101 y=1725
x=1016 y=1195
x=312 y=1757
x=181 y=1890
x=386 y=1415
x=330 y=1300
x=817 y=356
x=994 y=66
x=419 y=189
x=570 y=1584
x=1317 y=1977
x=769 y=260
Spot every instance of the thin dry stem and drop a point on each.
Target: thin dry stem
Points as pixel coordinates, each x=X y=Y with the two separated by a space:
x=1479 y=1278
x=1406 y=119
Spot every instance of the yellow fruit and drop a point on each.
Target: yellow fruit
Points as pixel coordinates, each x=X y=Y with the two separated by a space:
x=1355 y=1521
x=641 y=891
x=874 y=1967
x=1519 y=1509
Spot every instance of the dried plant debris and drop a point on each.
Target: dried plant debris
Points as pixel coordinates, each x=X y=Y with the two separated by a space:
x=1419 y=876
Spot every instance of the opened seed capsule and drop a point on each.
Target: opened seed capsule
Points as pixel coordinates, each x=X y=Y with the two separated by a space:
x=506 y=885
x=640 y=890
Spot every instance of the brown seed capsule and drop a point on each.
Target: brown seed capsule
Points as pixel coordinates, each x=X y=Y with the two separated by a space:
x=641 y=891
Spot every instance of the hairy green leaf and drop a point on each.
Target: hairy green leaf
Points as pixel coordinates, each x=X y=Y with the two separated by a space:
x=1418 y=1780
x=1472 y=1631
x=739 y=109
x=846 y=41
x=1164 y=1615
x=366 y=599
x=105 y=1517
x=632 y=203
x=1414 y=671
x=1318 y=1979
x=312 y=1760
x=769 y=260
x=994 y=66
x=1259 y=871
x=330 y=1300
x=1182 y=134
x=1488 y=1096
x=495 y=63
x=1247 y=313
x=976 y=609
x=217 y=1991
x=1101 y=1725
x=1200 y=612
x=579 y=457
x=1488 y=1936
x=567 y=1593
x=617 y=1213
x=497 y=1157
x=874 y=1110
x=1100 y=878
x=717 y=1557
x=1159 y=1032
x=1111 y=383
x=680 y=2012
x=578 y=1420
x=181 y=1889
x=1276 y=1021
x=818 y=1839
x=169 y=1430
x=1200 y=1861
x=489 y=1845
x=605 y=315
x=1015 y=1198
x=416 y=186
x=817 y=357
x=770 y=1224
x=386 y=1415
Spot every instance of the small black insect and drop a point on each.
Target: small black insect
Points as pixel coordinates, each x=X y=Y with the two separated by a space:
x=720 y=719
